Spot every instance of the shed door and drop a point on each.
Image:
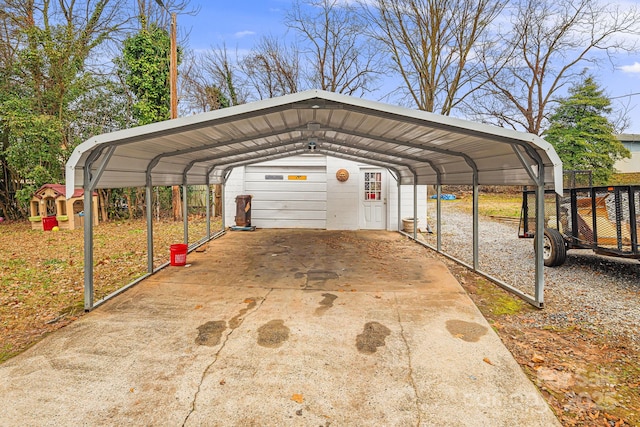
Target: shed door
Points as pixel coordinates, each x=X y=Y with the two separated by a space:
x=373 y=198
x=287 y=196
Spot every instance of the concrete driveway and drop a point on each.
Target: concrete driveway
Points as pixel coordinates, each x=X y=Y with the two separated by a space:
x=279 y=327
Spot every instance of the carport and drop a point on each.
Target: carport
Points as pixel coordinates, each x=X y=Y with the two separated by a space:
x=418 y=148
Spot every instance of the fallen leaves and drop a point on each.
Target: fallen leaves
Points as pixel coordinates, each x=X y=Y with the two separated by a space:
x=298 y=398
x=41 y=277
x=487 y=360
x=536 y=358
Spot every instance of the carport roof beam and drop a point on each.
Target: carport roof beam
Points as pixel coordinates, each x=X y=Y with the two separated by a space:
x=242 y=152
x=390 y=166
x=387 y=154
x=426 y=147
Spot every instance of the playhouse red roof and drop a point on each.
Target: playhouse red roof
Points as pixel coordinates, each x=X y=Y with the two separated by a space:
x=61 y=190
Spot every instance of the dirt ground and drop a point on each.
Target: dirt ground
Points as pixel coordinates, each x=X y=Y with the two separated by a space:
x=588 y=379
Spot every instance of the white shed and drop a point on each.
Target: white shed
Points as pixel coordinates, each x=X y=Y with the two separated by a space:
x=313 y=191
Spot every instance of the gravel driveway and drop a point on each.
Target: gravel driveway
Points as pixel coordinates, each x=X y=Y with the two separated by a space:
x=598 y=293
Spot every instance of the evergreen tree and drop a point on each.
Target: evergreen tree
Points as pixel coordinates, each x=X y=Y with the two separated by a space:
x=582 y=134
x=144 y=68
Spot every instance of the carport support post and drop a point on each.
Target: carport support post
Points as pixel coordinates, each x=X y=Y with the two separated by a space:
x=225 y=177
x=149 y=201
x=185 y=212
x=399 y=205
x=539 y=237
x=222 y=202
x=88 y=239
x=415 y=206
x=475 y=221
x=89 y=184
x=208 y=207
x=439 y=217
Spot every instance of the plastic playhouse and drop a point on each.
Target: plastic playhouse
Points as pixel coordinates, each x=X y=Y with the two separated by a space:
x=50 y=208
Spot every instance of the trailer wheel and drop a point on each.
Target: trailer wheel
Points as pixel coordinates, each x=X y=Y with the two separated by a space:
x=554 y=250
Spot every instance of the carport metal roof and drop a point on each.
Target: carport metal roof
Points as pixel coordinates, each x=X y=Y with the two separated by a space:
x=421 y=147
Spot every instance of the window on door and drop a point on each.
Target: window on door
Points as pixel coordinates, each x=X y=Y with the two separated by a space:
x=373 y=186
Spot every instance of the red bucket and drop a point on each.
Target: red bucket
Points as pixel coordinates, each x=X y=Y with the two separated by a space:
x=178 y=254
x=49 y=222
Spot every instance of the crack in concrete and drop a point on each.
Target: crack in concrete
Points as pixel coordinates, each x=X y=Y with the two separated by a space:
x=215 y=358
x=411 y=379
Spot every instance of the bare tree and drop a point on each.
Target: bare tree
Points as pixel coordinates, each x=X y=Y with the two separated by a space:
x=158 y=11
x=223 y=70
x=198 y=91
x=9 y=33
x=212 y=81
x=339 y=57
x=622 y=110
x=547 y=46
x=272 y=69
x=432 y=45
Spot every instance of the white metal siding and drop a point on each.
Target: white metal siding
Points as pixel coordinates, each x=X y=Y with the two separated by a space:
x=287 y=203
x=342 y=197
x=291 y=204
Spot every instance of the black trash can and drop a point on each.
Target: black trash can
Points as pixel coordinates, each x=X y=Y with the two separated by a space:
x=243 y=211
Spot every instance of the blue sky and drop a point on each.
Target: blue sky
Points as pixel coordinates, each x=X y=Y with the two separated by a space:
x=240 y=23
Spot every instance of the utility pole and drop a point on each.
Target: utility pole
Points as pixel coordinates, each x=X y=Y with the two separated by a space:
x=173 y=62
x=173 y=68
x=176 y=204
x=176 y=201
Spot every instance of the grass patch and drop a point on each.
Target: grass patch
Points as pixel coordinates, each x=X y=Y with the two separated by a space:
x=507 y=205
x=497 y=301
x=55 y=261
x=490 y=204
x=7 y=352
x=625 y=179
x=505 y=306
x=76 y=308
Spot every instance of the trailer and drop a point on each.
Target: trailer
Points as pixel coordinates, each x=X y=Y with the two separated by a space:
x=603 y=219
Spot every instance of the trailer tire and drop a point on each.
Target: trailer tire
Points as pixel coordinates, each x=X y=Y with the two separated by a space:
x=554 y=251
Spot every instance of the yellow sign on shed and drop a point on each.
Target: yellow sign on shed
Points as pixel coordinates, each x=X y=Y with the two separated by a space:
x=297 y=177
